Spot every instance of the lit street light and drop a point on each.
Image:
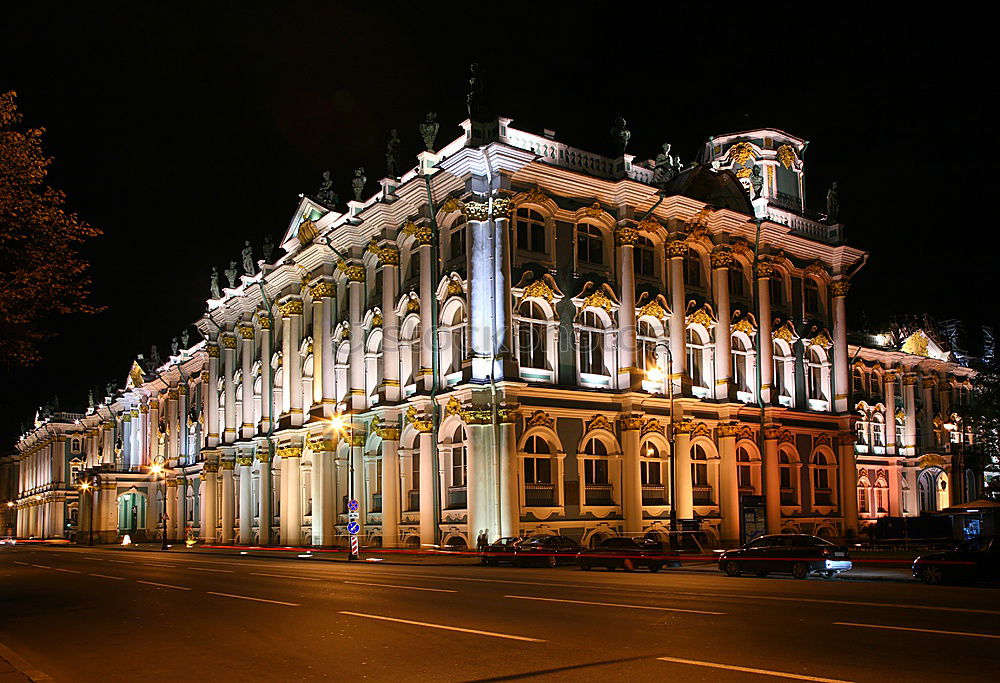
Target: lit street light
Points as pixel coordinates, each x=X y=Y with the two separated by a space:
x=157 y=470
x=658 y=376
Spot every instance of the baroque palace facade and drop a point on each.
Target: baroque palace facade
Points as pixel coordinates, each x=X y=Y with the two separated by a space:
x=520 y=336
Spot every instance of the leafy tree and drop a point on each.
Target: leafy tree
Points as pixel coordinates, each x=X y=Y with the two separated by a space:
x=982 y=416
x=42 y=274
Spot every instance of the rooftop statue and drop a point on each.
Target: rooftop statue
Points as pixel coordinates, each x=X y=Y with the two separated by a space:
x=269 y=245
x=216 y=294
x=392 y=155
x=326 y=196
x=666 y=166
x=184 y=339
x=756 y=181
x=173 y=346
x=833 y=202
x=358 y=183
x=621 y=135
x=475 y=100
x=230 y=274
x=248 y=266
x=90 y=401
x=429 y=131
x=154 y=357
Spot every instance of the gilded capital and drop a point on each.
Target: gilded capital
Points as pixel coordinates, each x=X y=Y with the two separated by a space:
x=840 y=287
x=507 y=414
x=626 y=236
x=387 y=256
x=354 y=273
x=213 y=350
x=476 y=211
x=630 y=422
x=722 y=257
x=290 y=451
x=228 y=464
x=728 y=429
x=290 y=308
x=421 y=233
x=909 y=380
x=244 y=461
x=677 y=249
x=771 y=432
x=210 y=467
x=228 y=341
x=264 y=320
x=143 y=408
x=502 y=207
x=182 y=390
x=685 y=426
x=246 y=331
x=323 y=289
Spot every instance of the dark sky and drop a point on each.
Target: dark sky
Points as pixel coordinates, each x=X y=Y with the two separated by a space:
x=181 y=129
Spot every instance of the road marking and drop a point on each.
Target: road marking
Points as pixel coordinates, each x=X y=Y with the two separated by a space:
x=98 y=559
x=23 y=563
x=445 y=628
x=286 y=576
x=205 y=569
x=161 y=566
x=747 y=669
x=164 y=585
x=105 y=576
x=42 y=566
x=68 y=571
x=121 y=561
x=613 y=604
x=393 y=585
x=918 y=630
x=840 y=602
x=247 y=597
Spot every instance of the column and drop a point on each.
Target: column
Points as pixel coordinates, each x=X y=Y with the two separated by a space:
x=388 y=258
x=729 y=488
x=722 y=259
x=772 y=480
x=228 y=501
x=628 y=376
x=172 y=426
x=842 y=378
x=182 y=420
x=676 y=251
x=264 y=495
x=895 y=488
x=266 y=390
x=174 y=521
x=210 y=515
x=243 y=462
x=212 y=397
x=848 y=484
x=126 y=439
x=510 y=465
x=323 y=509
x=912 y=492
x=148 y=434
x=291 y=503
x=357 y=460
x=323 y=293
x=428 y=532
x=910 y=413
x=246 y=332
x=631 y=474
x=108 y=454
x=228 y=387
x=503 y=305
x=929 y=383
x=889 y=391
x=390 y=486
x=356 y=372
x=682 y=470
x=764 y=324
x=319 y=362
x=291 y=390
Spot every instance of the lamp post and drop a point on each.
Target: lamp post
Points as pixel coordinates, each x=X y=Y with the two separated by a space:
x=158 y=471
x=656 y=374
x=338 y=425
x=85 y=486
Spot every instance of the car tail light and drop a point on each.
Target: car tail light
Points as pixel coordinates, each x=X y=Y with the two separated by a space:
x=826 y=552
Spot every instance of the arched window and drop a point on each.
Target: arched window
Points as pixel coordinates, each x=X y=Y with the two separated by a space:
x=881 y=494
x=737 y=280
x=822 y=492
x=744 y=473
x=900 y=433
x=816 y=371
x=697 y=362
x=456 y=239
x=878 y=431
x=777 y=289
x=864 y=496
x=861 y=432
x=811 y=296
x=646 y=340
x=787 y=479
x=591 y=344
x=742 y=365
x=538 y=488
x=692 y=269
x=596 y=477
x=858 y=382
x=875 y=385
x=458 y=469
x=643 y=257
x=453 y=349
x=651 y=473
x=784 y=372
x=589 y=244
x=699 y=476
x=530 y=231
x=531 y=334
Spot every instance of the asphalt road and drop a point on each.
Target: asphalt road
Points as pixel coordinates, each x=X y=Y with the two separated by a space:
x=108 y=615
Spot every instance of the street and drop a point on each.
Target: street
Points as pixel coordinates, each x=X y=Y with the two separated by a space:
x=102 y=614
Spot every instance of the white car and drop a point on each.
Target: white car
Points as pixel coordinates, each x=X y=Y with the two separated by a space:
x=8 y=540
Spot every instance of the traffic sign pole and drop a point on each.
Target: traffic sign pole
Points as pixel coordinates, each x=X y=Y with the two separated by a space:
x=353 y=527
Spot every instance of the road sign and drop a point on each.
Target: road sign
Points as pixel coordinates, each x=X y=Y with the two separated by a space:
x=353 y=515
x=354 y=546
x=353 y=528
x=353 y=505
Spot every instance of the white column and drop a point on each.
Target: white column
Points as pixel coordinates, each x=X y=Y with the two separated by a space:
x=210 y=515
x=676 y=251
x=428 y=532
x=356 y=376
x=772 y=481
x=228 y=387
x=910 y=413
x=895 y=488
x=264 y=485
x=246 y=331
x=389 y=258
x=212 y=397
x=244 y=462
x=682 y=470
x=848 y=484
x=729 y=488
x=291 y=504
x=171 y=440
x=764 y=323
x=182 y=420
x=390 y=487
x=321 y=523
x=319 y=362
x=174 y=521
x=842 y=378
x=323 y=293
x=889 y=391
x=628 y=376
x=721 y=259
x=228 y=501
x=291 y=390
x=631 y=475
x=266 y=391
x=929 y=382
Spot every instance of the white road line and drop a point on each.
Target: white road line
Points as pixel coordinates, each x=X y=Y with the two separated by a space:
x=445 y=628
x=105 y=576
x=68 y=571
x=839 y=602
x=393 y=585
x=747 y=669
x=98 y=559
x=22 y=563
x=613 y=604
x=286 y=576
x=918 y=630
x=164 y=585
x=205 y=569
x=41 y=566
x=247 y=597
x=161 y=566
x=121 y=561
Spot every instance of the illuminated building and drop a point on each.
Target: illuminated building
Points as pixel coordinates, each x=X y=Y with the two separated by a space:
x=494 y=342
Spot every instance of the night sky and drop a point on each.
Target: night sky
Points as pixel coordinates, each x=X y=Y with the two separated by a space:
x=181 y=129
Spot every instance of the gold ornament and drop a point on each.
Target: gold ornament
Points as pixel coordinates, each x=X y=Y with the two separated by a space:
x=290 y=308
x=600 y=422
x=539 y=289
x=740 y=153
x=541 y=419
x=722 y=257
x=213 y=351
x=916 y=344
x=246 y=331
x=323 y=289
x=598 y=300
x=626 y=236
x=786 y=155
x=593 y=211
x=676 y=249
x=228 y=342
x=653 y=309
x=840 y=287
x=451 y=204
x=476 y=211
x=421 y=234
x=354 y=273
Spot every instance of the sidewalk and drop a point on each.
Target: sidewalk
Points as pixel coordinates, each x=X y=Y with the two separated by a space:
x=13 y=669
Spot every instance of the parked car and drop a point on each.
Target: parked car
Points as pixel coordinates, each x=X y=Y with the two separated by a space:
x=501 y=550
x=799 y=554
x=977 y=559
x=8 y=540
x=623 y=552
x=545 y=549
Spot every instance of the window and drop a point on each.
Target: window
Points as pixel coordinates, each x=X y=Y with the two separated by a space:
x=815 y=374
x=858 y=382
x=821 y=475
x=811 y=296
x=777 y=290
x=646 y=352
x=900 y=434
x=692 y=270
x=741 y=363
x=595 y=470
x=696 y=362
x=863 y=488
x=414 y=264
x=456 y=240
x=783 y=367
x=788 y=496
x=744 y=475
x=699 y=466
x=531 y=336
x=875 y=385
x=878 y=432
x=643 y=258
x=591 y=344
x=650 y=465
x=530 y=231
x=537 y=470
x=589 y=244
x=861 y=431
x=458 y=458
x=737 y=280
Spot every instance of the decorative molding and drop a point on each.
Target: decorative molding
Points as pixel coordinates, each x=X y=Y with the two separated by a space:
x=676 y=249
x=598 y=421
x=246 y=331
x=540 y=289
x=740 y=153
x=421 y=425
x=598 y=300
x=290 y=308
x=387 y=256
x=540 y=418
x=630 y=422
x=626 y=236
x=592 y=211
x=323 y=289
x=213 y=350
x=840 y=288
x=701 y=316
x=354 y=273
x=653 y=309
x=451 y=204
x=651 y=425
x=786 y=155
x=722 y=257
x=728 y=429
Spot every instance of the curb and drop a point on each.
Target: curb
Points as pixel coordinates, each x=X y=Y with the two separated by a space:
x=21 y=666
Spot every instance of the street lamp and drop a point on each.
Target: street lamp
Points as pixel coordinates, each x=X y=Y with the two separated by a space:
x=157 y=470
x=86 y=486
x=339 y=426
x=658 y=376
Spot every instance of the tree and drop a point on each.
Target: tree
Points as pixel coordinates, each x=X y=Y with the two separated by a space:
x=982 y=416
x=42 y=274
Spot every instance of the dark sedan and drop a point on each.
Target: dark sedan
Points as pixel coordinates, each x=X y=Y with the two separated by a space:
x=545 y=549
x=625 y=553
x=977 y=559
x=501 y=550
x=798 y=554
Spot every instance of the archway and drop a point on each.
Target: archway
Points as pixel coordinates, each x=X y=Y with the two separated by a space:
x=933 y=484
x=131 y=513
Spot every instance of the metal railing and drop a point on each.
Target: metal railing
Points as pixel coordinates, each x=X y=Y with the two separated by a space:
x=599 y=494
x=539 y=495
x=413 y=500
x=654 y=495
x=457 y=497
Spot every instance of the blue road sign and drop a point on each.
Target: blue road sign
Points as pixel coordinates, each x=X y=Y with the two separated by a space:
x=353 y=528
x=353 y=505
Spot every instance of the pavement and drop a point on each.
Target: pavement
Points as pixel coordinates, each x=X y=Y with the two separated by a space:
x=96 y=614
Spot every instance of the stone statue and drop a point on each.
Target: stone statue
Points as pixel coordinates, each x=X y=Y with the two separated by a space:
x=184 y=339
x=429 y=131
x=756 y=181
x=230 y=274
x=216 y=294
x=621 y=135
x=833 y=202
x=392 y=155
x=666 y=166
x=90 y=401
x=154 y=357
x=358 y=183
x=268 y=248
x=326 y=196
x=475 y=99
x=173 y=346
x=111 y=389
x=248 y=265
